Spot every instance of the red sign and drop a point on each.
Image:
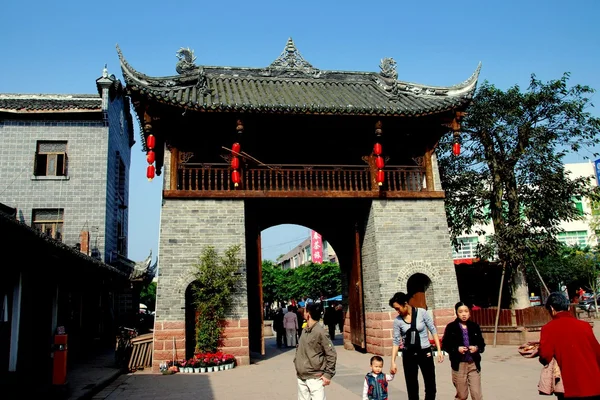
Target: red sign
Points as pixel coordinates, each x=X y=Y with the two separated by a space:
x=316 y=245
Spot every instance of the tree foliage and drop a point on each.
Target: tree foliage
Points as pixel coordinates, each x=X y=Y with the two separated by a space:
x=312 y=280
x=569 y=265
x=216 y=280
x=148 y=295
x=511 y=170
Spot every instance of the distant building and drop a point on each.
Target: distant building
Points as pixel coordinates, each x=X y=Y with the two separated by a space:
x=302 y=254
x=576 y=232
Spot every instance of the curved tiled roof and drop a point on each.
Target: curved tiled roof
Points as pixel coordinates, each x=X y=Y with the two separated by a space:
x=24 y=103
x=292 y=85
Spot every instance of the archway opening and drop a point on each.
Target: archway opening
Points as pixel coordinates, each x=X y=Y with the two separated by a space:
x=299 y=265
x=420 y=291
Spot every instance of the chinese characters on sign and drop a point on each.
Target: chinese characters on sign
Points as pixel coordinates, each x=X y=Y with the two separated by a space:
x=316 y=245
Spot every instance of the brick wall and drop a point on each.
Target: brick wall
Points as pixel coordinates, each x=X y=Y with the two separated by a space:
x=402 y=238
x=187 y=227
x=82 y=194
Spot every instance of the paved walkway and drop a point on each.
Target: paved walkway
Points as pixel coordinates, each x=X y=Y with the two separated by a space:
x=505 y=375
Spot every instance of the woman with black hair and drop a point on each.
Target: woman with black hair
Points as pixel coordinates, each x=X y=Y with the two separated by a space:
x=464 y=343
x=410 y=328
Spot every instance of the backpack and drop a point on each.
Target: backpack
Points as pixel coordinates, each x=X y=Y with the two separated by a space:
x=412 y=340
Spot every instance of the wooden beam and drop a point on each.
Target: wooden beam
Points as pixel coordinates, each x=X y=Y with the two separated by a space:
x=250 y=194
x=428 y=170
x=174 y=168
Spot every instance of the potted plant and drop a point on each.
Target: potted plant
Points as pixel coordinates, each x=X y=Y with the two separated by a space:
x=229 y=361
x=191 y=365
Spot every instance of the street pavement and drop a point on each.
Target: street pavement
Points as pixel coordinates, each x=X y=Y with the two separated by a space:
x=505 y=375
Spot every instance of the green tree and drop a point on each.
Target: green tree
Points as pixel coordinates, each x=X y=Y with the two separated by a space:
x=148 y=295
x=311 y=280
x=560 y=268
x=216 y=280
x=272 y=276
x=511 y=170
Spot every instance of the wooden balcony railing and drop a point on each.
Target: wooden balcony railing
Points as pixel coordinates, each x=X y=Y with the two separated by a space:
x=298 y=179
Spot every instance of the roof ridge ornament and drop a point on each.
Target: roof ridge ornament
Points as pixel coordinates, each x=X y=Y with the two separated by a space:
x=291 y=59
x=186 y=60
x=388 y=68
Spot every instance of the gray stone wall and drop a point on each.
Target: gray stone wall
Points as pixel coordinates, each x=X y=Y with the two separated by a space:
x=82 y=193
x=404 y=237
x=186 y=228
x=118 y=148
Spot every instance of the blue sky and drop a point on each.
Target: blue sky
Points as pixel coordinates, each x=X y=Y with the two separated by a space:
x=61 y=47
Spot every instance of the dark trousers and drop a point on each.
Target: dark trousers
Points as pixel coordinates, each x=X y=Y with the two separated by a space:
x=411 y=363
x=281 y=339
x=331 y=331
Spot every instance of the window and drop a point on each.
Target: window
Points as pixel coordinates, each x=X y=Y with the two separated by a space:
x=573 y=238
x=467 y=248
x=51 y=159
x=578 y=205
x=49 y=221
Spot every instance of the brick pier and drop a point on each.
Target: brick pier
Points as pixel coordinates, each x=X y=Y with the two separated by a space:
x=170 y=335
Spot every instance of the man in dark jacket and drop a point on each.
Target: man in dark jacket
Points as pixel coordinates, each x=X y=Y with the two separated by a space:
x=278 y=327
x=315 y=357
x=573 y=344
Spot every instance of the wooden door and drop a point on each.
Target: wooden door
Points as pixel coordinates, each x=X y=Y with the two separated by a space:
x=355 y=296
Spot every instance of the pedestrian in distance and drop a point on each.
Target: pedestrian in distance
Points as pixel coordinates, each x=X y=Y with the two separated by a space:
x=464 y=344
x=290 y=323
x=330 y=320
x=410 y=330
x=376 y=382
x=278 y=327
x=339 y=311
x=315 y=357
x=572 y=343
x=300 y=317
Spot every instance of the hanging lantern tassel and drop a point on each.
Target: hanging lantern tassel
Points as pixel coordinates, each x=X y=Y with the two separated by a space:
x=150 y=172
x=235 y=177
x=380 y=177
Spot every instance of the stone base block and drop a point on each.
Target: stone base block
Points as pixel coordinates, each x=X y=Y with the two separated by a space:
x=169 y=341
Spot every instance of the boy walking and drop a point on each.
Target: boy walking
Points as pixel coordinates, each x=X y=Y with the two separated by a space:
x=315 y=357
x=376 y=382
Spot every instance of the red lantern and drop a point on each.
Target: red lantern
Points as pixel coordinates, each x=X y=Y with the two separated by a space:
x=379 y=162
x=377 y=149
x=235 y=177
x=150 y=141
x=235 y=162
x=150 y=157
x=236 y=148
x=150 y=172
x=380 y=177
x=456 y=148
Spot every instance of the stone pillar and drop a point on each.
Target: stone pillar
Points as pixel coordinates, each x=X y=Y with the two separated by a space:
x=402 y=238
x=187 y=227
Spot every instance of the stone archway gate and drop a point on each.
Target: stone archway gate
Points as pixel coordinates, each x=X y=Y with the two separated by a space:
x=350 y=154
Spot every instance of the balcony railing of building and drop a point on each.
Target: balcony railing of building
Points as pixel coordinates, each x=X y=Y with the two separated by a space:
x=214 y=180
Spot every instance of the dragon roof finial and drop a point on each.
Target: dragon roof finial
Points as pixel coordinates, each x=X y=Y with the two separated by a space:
x=186 y=60
x=388 y=68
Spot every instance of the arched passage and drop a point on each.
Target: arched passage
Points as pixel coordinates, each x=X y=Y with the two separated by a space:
x=420 y=291
x=341 y=222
